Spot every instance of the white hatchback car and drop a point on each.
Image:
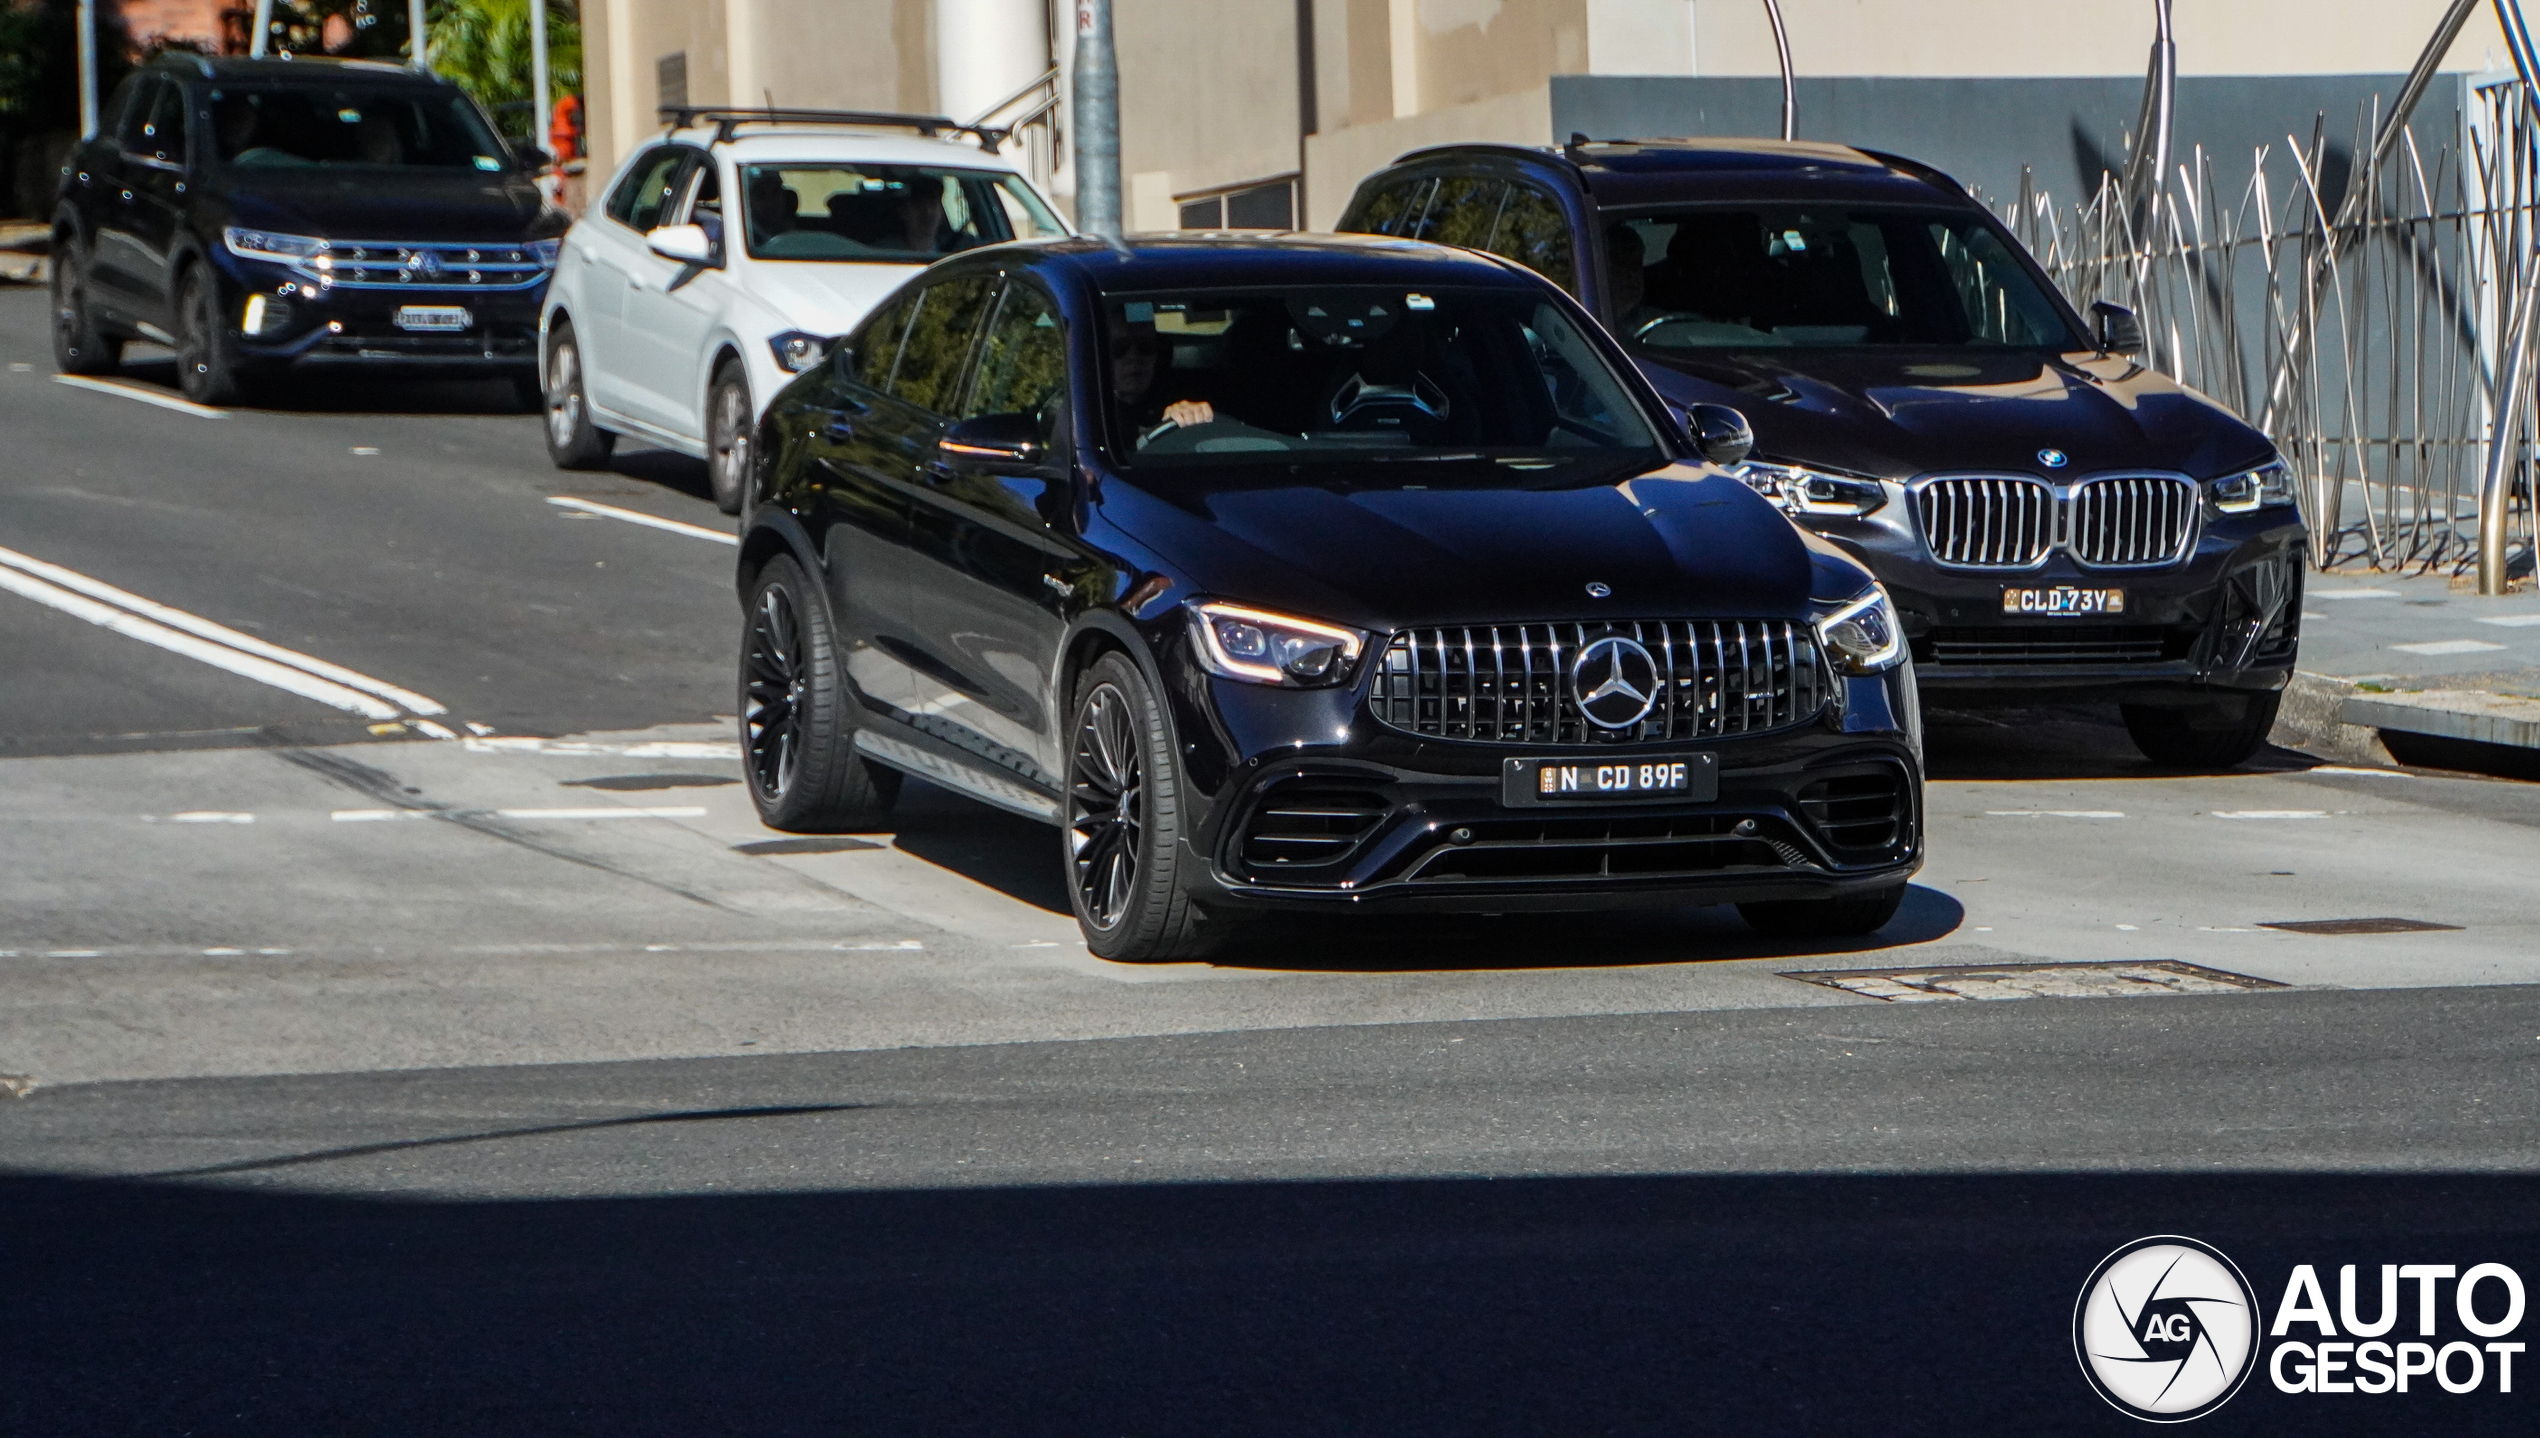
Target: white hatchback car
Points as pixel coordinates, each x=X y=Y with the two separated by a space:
x=659 y=326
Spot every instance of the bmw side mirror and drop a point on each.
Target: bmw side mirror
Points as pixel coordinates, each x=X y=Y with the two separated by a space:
x=688 y=244
x=2120 y=333
x=994 y=439
x=1720 y=434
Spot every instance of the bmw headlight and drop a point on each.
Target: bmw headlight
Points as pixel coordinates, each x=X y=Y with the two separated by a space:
x=2266 y=487
x=1259 y=647
x=797 y=351
x=266 y=245
x=1802 y=491
x=545 y=251
x=1861 y=636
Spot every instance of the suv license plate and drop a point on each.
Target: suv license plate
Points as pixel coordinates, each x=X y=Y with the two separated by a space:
x=1530 y=783
x=2063 y=601
x=433 y=319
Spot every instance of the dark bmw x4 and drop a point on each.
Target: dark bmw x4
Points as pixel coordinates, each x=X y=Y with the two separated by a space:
x=2052 y=518
x=265 y=215
x=1317 y=574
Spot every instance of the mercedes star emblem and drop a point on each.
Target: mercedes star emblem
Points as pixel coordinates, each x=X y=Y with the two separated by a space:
x=1598 y=589
x=1615 y=682
x=2053 y=458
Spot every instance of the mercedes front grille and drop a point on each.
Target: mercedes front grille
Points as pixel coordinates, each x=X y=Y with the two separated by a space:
x=1988 y=523
x=2137 y=520
x=1511 y=683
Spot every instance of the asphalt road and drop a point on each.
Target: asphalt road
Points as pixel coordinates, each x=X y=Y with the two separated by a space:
x=517 y=1081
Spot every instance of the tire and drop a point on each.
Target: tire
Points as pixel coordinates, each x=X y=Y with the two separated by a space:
x=1823 y=918
x=729 y=431
x=573 y=442
x=207 y=364
x=797 y=719
x=1122 y=844
x=79 y=347
x=2206 y=737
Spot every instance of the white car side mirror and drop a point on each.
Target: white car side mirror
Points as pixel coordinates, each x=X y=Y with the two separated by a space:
x=687 y=244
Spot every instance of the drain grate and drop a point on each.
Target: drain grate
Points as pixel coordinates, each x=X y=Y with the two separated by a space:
x=2359 y=926
x=2033 y=981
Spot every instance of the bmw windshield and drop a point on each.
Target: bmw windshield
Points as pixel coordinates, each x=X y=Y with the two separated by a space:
x=1491 y=376
x=1779 y=277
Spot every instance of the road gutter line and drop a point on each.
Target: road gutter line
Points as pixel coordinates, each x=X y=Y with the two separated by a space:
x=693 y=531
x=219 y=645
x=163 y=401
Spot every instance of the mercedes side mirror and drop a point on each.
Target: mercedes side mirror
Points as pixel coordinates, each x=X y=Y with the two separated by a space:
x=1720 y=434
x=688 y=244
x=994 y=439
x=2120 y=333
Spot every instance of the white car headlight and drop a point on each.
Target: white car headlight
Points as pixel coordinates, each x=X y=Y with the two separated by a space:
x=2266 y=487
x=1803 y=491
x=266 y=245
x=1861 y=636
x=1259 y=647
x=797 y=350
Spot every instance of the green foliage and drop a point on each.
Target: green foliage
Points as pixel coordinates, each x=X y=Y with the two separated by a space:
x=39 y=63
x=483 y=45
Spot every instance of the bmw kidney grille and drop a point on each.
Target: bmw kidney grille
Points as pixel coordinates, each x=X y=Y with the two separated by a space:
x=2006 y=522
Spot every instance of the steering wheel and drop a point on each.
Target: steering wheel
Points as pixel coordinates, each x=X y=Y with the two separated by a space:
x=1357 y=397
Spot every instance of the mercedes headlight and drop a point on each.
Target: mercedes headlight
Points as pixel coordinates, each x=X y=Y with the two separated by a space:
x=2266 y=487
x=1861 y=636
x=265 y=245
x=797 y=351
x=1259 y=647
x=1802 y=491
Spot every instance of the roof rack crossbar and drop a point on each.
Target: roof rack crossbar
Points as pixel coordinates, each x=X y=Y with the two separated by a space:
x=726 y=121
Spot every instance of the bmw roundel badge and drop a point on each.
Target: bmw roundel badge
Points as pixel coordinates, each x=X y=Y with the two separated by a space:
x=2053 y=458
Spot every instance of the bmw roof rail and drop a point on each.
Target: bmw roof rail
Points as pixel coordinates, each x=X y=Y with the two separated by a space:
x=726 y=121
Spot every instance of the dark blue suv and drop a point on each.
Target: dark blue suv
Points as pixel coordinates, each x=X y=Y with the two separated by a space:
x=258 y=215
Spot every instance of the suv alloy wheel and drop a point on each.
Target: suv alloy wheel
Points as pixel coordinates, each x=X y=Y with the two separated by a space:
x=797 y=726
x=78 y=347
x=206 y=364
x=1123 y=834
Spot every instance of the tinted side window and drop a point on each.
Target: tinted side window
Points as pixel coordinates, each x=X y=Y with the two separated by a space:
x=111 y=115
x=1464 y=212
x=938 y=342
x=163 y=133
x=638 y=199
x=1397 y=205
x=134 y=135
x=1023 y=360
x=877 y=349
x=1535 y=233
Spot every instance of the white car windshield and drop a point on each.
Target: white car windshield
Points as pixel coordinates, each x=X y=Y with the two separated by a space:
x=901 y=213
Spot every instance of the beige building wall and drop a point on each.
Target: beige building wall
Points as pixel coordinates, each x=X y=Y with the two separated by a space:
x=1208 y=99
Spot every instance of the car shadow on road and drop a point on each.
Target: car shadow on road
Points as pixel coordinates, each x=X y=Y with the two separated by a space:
x=319 y=392
x=2067 y=741
x=1834 y=1303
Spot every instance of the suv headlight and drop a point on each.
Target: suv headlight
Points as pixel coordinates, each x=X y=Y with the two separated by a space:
x=797 y=350
x=266 y=245
x=1861 y=636
x=2266 y=487
x=1259 y=647
x=1799 y=490
x=545 y=251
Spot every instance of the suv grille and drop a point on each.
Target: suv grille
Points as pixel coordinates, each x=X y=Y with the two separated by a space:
x=1308 y=823
x=1988 y=523
x=389 y=265
x=1511 y=683
x=2139 y=521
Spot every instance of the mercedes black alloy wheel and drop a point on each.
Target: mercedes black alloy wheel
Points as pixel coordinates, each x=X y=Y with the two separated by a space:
x=1124 y=822
x=797 y=730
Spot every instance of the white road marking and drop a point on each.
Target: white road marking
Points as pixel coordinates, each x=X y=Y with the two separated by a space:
x=651 y=749
x=2052 y=814
x=2352 y=594
x=245 y=646
x=377 y=816
x=2369 y=773
x=132 y=626
x=686 y=812
x=2511 y=621
x=364 y=449
x=693 y=531
x=2270 y=813
x=210 y=816
x=222 y=953
x=163 y=401
x=430 y=730
x=2448 y=646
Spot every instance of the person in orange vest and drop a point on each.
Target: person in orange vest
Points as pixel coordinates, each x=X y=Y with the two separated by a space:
x=564 y=130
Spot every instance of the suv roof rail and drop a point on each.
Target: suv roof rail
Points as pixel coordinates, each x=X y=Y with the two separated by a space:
x=726 y=121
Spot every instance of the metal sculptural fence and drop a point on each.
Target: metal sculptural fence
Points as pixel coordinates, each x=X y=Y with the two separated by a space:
x=2359 y=311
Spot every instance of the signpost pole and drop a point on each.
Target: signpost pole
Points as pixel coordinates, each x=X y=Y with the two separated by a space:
x=1097 y=121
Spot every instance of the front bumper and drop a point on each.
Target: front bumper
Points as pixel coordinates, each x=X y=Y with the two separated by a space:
x=2226 y=618
x=356 y=328
x=1306 y=803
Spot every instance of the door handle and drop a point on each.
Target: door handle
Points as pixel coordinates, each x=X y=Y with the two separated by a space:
x=937 y=469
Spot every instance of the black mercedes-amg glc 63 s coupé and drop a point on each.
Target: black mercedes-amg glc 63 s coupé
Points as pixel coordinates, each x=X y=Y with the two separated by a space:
x=1312 y=573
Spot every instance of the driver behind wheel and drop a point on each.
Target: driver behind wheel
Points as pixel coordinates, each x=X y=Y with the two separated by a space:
x=1137 y=366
